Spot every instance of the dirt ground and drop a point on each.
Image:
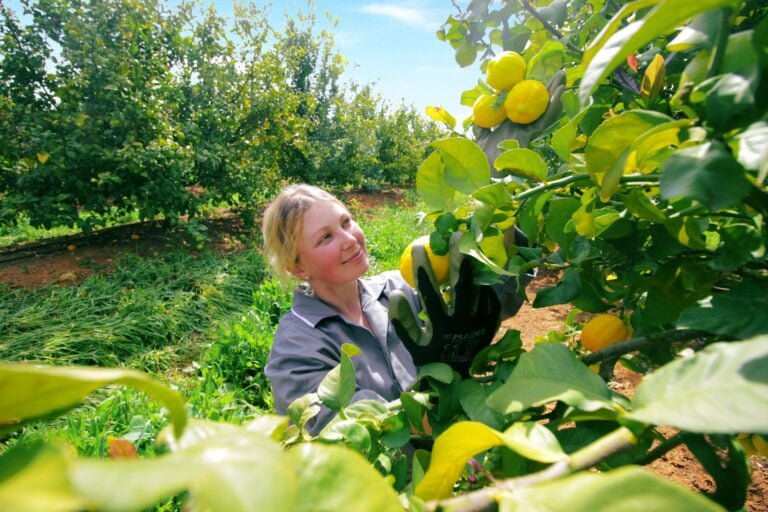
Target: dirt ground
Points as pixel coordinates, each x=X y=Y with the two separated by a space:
x=69 y=260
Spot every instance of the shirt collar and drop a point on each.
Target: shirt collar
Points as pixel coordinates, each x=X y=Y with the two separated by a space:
x=312 y=310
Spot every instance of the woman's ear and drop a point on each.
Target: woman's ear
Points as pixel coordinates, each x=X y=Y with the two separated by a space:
x=299 y=272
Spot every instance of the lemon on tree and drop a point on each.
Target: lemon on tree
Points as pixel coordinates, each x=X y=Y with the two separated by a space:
x=603 y=331
x=439 y=264
x=505 y=70
x=488 y=110
x=526 y=101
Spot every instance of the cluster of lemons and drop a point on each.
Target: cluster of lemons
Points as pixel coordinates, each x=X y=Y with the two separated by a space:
x=517 y=99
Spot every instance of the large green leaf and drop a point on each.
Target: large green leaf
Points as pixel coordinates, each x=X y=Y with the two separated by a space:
x=522 y=162
x=231 y=471
x=707 y=173
x=466 y=166
x=738 y=313
x=338 y=387
x=431 y=184
x=612 y=141
x=547 y=373
x=721 y=389
x=753 y=149
x=335 y=478
x=628 y=489
x=31 y=392
x=37 y=478
x=567 y=289
x=660 y=20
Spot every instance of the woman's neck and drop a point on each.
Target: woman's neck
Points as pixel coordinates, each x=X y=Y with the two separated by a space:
x=346 y=299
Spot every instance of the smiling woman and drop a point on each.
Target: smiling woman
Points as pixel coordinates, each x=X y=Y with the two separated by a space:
x=311 y=236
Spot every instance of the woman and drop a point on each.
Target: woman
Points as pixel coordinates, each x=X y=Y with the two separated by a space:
x=311 y=236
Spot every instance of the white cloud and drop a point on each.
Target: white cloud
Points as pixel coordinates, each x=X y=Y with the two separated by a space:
x=408 y=15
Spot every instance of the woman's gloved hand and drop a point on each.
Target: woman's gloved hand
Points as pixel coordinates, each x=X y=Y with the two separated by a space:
x=455 y=331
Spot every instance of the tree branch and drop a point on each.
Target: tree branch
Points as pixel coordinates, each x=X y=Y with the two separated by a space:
x=634 y=344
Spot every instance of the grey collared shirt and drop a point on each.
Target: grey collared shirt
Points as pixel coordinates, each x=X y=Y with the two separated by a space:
x=308 y=343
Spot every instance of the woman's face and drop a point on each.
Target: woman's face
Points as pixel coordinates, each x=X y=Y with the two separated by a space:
x=331 y=246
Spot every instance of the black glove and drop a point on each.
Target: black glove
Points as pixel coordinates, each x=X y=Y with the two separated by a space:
x=456 y=331
x=489 y=140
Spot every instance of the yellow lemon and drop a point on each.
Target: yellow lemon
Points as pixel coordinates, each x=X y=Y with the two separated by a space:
x=603 y=331
x=488 y=111
x=505 y=70
x=526 y=102
x=439 y=264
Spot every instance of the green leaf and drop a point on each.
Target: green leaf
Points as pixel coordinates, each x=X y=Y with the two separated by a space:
x=239 y=471
x=472 y=398
x=336 y=478
x=466 y=166
x=707 y=173
x=660 y=20
x=441 y=372
x=738 y=313
x=37 y=477
x=466 y=53
x=641 y=206
x=727 y=100
x=563 y=137
x=431 y=184
x=522 y=162
x=338 y=387
x=44 y=391
x=548 y=61
x=753 y=149
x=622 y=490
x=612 y=140
x=719 y=390
x=533 y=441
x=560 y=212
x=700 y=33
x=567 y=289
x=548 y=373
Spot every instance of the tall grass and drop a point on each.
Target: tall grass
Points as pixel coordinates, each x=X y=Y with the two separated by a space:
x=143 y=315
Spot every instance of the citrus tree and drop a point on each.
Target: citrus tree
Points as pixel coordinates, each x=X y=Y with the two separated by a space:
x=641 y=184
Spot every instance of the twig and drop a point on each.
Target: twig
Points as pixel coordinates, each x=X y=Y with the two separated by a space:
x=551 y=28
x=634 y=344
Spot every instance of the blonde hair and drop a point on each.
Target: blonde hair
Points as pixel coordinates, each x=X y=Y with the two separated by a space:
x=283 y=222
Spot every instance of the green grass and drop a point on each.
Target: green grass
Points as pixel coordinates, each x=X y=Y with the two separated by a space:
x=144 y=315
x=203 y=324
